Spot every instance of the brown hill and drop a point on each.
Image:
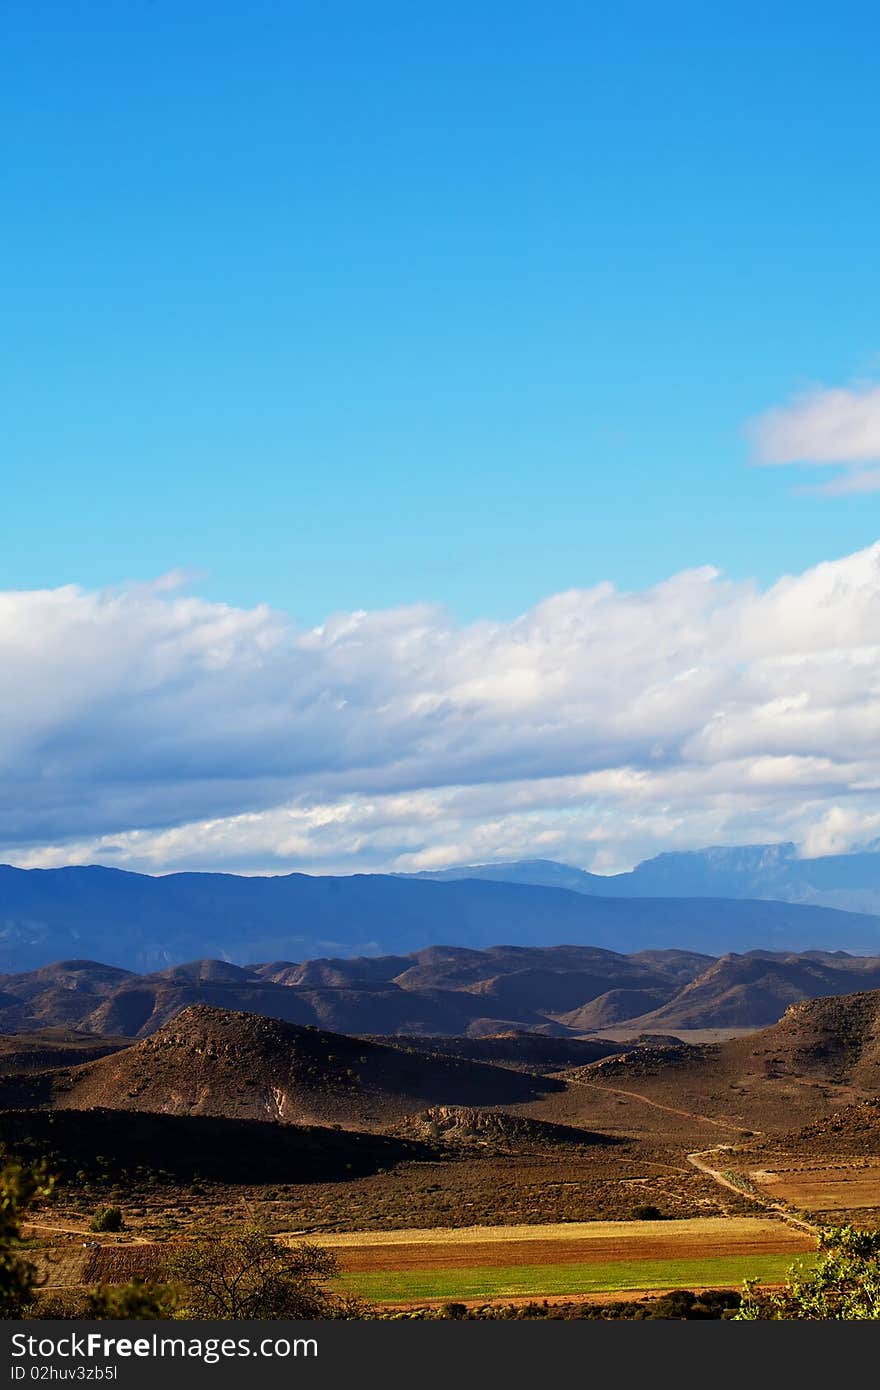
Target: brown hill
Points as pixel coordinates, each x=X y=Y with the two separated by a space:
x=548 y=978
x=823 y=1054
x=835 y=1039
x=754 y=990
x=613 y=1007
x=61 y=995
x=217 y=1062
x=676 y=966
x=562 y=991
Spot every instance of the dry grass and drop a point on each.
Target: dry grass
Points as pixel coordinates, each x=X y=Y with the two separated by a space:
x=706 y=1229
x=832 y=1186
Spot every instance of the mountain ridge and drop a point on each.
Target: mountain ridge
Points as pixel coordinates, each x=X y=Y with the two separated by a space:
x=557 y=992
x=145 y=922
x=763 y=871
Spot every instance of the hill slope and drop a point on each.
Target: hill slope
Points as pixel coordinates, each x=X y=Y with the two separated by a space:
x=820 y=1057
x=754 y=990
x=218 y=1062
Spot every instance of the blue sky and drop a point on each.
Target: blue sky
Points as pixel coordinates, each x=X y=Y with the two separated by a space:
x=348 y=306
x=538 y=344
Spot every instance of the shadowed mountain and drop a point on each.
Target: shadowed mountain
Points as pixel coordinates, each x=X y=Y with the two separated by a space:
x=529 y=1051
x=443 y=990
x=24 y=1053
x=137 y=921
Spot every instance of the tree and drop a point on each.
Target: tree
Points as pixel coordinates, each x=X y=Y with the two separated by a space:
x=107 y=1219
x=845 y=1283
x=20 y=1189
x=247 y=1274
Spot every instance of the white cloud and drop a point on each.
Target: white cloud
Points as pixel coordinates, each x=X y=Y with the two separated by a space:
x=822 y=427
x=857 y=481
x=153 y=729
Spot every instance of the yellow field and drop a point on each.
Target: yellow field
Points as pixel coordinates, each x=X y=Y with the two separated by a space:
x=845 y=1184
x=708 y=1230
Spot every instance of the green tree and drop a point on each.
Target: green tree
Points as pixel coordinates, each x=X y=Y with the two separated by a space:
x=21 y=1189
x=107 y=1219
x=844 y=1284
x=247 y=1274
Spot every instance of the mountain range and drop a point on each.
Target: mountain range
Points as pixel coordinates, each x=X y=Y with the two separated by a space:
x=558 y=995
x=774 y=871
x=142 y=922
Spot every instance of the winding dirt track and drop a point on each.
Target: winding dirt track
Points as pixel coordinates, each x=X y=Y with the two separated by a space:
x=696 y=1159
x=656 y=1105
x=778 y=1208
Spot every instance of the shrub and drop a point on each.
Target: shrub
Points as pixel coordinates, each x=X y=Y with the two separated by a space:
x=647 y=1213
x=107 y=1219
x=845 y=1283
x=453 y=1310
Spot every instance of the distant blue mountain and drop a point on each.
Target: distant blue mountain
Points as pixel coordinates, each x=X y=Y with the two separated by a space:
x=144 y=923
x=847 y=881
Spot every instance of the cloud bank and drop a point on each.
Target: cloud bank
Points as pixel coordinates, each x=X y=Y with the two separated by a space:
x=152 y=729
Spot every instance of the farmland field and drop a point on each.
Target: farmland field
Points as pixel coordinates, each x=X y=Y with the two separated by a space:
x=568 y=1258
x=846 y=1184
x=545 y=1280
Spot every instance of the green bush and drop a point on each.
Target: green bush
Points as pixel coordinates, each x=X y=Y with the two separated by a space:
x=844 y=1284
x=107 y=1219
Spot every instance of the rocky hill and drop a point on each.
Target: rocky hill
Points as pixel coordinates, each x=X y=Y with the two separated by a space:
x=496 y=1130
x=836 y=1039
x=821 y=1056
x=211 y=1061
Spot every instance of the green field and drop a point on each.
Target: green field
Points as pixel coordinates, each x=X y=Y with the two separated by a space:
x=540 y=1281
